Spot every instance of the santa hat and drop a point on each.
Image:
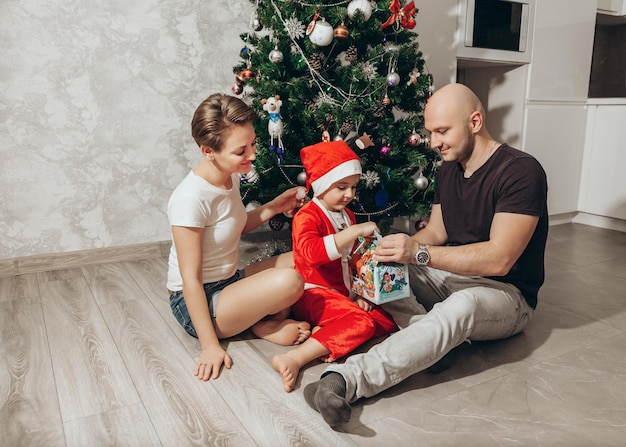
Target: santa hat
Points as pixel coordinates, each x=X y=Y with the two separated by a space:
x=328 y=162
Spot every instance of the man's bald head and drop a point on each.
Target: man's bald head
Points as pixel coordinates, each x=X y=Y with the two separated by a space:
x=457 y=99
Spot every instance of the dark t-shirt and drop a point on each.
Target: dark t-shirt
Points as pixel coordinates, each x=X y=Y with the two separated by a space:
x=511 y=181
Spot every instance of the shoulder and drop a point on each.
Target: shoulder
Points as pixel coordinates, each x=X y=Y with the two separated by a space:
x=308 y=211
x=515 y=157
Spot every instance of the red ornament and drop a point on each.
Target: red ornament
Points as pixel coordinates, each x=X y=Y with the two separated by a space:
x=246 y=74
x=402 y=15
x=384 y=151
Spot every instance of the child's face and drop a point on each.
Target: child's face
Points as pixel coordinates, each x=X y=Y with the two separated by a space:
x=340 y=193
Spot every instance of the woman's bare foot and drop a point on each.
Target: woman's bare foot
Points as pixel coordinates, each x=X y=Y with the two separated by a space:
x=282 y=332
x=288 y=369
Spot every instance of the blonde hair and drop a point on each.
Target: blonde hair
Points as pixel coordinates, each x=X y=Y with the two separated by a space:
x=216 y=116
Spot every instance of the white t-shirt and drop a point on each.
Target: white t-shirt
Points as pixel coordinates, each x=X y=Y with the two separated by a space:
x=196 y=203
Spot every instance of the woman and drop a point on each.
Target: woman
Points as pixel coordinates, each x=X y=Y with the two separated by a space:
x=209 y=297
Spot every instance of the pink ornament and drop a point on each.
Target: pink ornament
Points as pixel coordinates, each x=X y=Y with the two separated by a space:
x=414 y=139
x=384 y=151
x=236 y=88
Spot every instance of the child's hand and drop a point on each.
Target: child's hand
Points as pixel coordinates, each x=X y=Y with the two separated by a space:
x=366 y=229
x=363 y=304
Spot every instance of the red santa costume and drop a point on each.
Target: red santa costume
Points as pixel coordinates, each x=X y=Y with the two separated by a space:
x=326 y=300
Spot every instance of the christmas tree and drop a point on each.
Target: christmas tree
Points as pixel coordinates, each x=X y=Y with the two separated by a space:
x=348 y=70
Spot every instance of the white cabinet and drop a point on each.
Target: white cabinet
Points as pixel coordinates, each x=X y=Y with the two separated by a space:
x=562 y=51
x=602 y=190
x=612 y=7
x=555 y=135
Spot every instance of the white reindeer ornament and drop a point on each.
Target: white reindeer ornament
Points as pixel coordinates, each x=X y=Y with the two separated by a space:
x=275 y=125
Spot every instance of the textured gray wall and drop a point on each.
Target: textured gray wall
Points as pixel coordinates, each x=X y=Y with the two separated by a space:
x=96 y=99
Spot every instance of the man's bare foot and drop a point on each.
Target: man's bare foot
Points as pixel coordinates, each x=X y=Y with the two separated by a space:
x=288 y=369
x=282 y=332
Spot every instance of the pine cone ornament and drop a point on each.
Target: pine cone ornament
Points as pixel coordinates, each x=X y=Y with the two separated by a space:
x=315 y=61
x=351 y=54
x=378 y=109
x=348 y=126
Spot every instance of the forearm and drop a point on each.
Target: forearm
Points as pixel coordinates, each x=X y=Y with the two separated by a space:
x=346 y=237
x=195 y=300
x=476 y=259
x=259 y=216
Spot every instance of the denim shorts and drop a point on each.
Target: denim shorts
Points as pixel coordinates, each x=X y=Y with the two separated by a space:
x=211 y=290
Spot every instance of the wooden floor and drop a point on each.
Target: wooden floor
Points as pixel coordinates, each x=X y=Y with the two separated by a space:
x=91 y=356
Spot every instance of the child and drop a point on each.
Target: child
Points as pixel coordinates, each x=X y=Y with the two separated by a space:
x=209 y=296
x=323 y=233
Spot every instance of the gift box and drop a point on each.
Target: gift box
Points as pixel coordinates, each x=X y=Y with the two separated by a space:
x=376 y=281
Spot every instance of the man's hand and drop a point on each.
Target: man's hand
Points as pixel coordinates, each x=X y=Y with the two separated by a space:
x=395 y=248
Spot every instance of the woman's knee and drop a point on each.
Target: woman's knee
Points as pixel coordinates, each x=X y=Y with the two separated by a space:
x=289 y=282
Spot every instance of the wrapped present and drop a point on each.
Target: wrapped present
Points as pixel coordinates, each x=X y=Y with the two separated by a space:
x=376 y=281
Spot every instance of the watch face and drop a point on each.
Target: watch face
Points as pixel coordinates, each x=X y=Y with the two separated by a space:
x=422 y=257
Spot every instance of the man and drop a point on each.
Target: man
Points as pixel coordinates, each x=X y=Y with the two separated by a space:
x=477 y=266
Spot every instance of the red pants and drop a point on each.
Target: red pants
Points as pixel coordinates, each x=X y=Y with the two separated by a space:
x=343 y=324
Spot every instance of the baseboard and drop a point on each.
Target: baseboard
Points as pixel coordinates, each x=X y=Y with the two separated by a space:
x=593 y=220
x=58 y=261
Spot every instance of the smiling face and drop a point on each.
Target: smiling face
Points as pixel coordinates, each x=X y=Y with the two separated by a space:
x=454 y=118
x=238 y=150
x=340 y=193
x=450 y=132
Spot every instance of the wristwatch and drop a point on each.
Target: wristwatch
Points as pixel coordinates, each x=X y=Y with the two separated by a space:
x=422 y=257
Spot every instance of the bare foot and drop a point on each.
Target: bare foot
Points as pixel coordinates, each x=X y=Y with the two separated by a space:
x=282 y=332
x=327 y=359
x=288 y=369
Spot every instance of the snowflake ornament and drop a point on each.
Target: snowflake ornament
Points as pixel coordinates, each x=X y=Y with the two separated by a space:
x=369 y=70
x=295 y=27
x=323 y=98
x=371 y=179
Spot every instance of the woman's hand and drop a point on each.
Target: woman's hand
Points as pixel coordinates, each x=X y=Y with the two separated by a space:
x=210 y=363
x=290 y=199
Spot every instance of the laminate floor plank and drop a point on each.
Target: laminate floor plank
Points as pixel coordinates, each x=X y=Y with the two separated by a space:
x=183 y=410
x=273 y=417
x=90 y=375
x=124 y=427
x=151 y=276
x=29 y=407
x=18 y=287
x=111 y=283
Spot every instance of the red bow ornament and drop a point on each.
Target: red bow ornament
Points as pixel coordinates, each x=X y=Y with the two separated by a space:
x=403 y=16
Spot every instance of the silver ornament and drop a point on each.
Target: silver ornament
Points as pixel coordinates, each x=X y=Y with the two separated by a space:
x=301 y=179
x=276 y=55
x=393 y=79
x=421 y=183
